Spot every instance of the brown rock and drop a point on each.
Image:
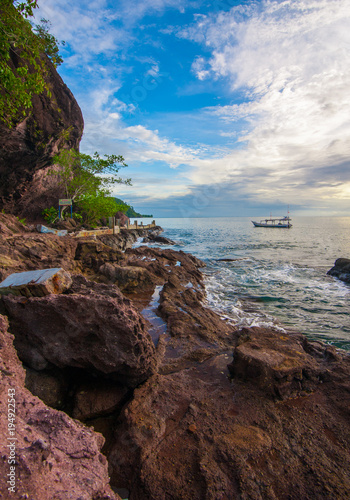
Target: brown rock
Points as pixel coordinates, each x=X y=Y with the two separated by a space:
x=128 y=278
x=54 y=122
x=194 y=434
x=194 y=332
x=93 y=254
x=50 y=387
x=10 y=225
x=89 y=330
x=56 y=457
x=33 y=251
x=275 y=362
x=98 y=399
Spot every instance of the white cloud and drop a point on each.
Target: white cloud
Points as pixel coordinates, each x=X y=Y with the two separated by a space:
x=292 y=60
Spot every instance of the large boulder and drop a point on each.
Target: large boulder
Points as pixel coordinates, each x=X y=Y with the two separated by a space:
x=55 y=456
x=94 y=328
x=128 y=278
x=341 y=270
x=276 y=363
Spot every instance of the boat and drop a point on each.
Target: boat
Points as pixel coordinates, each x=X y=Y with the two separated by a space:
x=281 y=222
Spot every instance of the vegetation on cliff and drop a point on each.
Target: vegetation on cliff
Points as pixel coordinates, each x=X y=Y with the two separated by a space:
x=87 y=181
x=23 y=69
x=129 y=210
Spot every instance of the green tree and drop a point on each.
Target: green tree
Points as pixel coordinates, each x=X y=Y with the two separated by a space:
x=87 y=180
x=95 y=207
x=23 y=66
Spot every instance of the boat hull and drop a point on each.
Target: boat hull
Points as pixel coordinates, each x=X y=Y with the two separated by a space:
x=264 y=224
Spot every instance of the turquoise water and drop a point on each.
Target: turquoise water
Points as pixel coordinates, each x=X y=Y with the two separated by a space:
x=279 y=275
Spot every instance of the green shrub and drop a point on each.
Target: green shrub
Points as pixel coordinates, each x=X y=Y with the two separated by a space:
x=50 y=214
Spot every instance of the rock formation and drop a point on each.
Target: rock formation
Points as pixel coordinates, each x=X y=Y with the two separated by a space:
x=26 y=150
x=154 y=237
x=198 y=434
x=341 y=270
x=93 y=328
x=209 y=411
x=55 y=456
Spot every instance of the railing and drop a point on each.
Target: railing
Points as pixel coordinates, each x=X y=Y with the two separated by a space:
x=115 y=229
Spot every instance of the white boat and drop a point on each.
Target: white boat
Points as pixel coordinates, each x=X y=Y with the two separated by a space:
x=282 y=222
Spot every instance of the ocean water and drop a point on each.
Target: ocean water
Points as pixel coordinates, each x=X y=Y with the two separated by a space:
x=278 y=276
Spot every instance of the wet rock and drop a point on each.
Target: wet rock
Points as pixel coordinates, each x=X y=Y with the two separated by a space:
x=154 y=237
x=56 y=457
x=341 y=270
x=227 y=260
x=194 y=332
x=95 y=329
x=36 y=283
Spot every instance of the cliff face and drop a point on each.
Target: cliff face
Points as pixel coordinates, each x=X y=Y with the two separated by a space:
x=26 y=150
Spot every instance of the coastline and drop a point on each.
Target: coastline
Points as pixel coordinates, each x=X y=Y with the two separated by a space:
x=208 y=411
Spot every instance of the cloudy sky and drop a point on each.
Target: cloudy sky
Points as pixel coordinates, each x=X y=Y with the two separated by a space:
x=219 y=107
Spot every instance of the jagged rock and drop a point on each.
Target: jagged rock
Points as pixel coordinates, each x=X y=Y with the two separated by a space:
x=341 y=270
x=68 y=224
x=153 y=237
x=94 y=253
x=96 y=331
x=36 y=283
x=22 y=250
x=55 y=456
x=10 y=225
x=51 y=387
x=196 y=434
x=277 y=363
x=128 y=278
x=97 y=399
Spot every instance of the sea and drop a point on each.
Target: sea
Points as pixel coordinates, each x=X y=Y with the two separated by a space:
x=274 y=277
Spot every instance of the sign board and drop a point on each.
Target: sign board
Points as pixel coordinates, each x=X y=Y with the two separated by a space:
x=65 y=202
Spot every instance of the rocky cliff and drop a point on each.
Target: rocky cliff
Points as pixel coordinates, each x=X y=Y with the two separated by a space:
x=190 y=406
x=26 y=150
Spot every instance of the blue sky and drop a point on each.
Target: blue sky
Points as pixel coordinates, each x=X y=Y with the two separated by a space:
x=219 y=107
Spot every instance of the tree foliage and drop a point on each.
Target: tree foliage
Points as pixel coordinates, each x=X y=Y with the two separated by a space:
x=87 y=180
x=23 y=67
x=95 y=207
x=81 y=174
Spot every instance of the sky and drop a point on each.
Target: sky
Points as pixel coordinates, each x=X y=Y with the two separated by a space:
x=221 y=107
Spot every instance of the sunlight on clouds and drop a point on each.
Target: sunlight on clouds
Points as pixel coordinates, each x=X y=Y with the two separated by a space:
x=290 y=60
x=293 y=60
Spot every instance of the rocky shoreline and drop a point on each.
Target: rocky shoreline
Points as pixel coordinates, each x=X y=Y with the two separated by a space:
x=126 y=383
